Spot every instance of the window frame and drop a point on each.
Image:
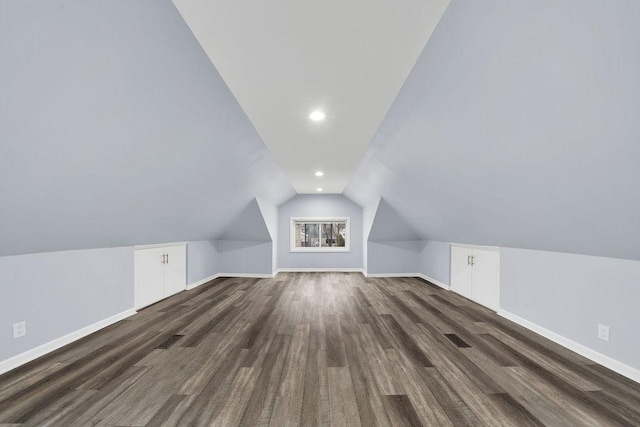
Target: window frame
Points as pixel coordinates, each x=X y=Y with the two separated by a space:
x=319 y=220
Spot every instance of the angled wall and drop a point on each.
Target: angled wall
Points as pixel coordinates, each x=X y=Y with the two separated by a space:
x=389 y=226
x=270 y=217
x=505 y=134
x=117 y=130
x=245 y=246
x=393 y=247
x=247 y=225
x=368 y=215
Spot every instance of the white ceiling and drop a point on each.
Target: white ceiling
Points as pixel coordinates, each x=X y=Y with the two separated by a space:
x=283 y=59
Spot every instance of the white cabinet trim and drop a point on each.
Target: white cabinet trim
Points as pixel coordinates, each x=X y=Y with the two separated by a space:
x=484 y=248
x=160 y=245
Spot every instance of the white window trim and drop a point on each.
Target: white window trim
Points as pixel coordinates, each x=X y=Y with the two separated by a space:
x=292 y=234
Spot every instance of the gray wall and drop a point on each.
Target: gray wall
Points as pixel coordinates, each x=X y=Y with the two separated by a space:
x=389 y=226
x=247 y=225
x=393 y=257
x=435 y=261
x=238 y=257
x=571 y=294
x=518 y=127
x=58 y=293
x=245 y=245
x=270 y=217
x=392 y=247
x=206 y=258
x=202 y=260
x=116 y=130
x=311 y=205
x=427 y=257
x=368 y=215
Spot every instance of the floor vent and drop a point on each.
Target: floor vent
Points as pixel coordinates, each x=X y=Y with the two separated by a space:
x=459 y=342
x=169 y=342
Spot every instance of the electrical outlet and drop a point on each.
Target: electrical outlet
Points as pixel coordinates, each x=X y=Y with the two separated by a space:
x=603 y=332
x=19 y=329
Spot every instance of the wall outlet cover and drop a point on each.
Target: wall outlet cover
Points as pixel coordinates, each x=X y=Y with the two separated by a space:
x=603 y=332
x=19 y=329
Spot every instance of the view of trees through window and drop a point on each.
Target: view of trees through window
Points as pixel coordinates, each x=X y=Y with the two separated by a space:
x=320 y=234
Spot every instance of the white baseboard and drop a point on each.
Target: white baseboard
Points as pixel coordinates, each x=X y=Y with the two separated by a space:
x=434 y=281
x=34 y=353
x=319 y=270
x=390 y=274
x=203 y=281
x=582 y=350
x=250 y=275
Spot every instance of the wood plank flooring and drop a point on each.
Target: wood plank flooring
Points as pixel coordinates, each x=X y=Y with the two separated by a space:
x=316 y=349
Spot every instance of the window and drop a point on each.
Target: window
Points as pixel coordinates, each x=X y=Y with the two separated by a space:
x=320 y=235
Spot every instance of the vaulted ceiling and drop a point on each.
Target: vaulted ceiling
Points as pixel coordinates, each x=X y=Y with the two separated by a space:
x=517 y=126
x=283 y=59
x=115 y=130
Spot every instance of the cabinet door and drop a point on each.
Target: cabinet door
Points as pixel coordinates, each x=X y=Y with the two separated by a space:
x=148 y=276
x=175 y=270
x=461 y=271
x=486 y=278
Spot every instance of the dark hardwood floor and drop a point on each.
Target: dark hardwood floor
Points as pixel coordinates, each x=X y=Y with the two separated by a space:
x=316 y=349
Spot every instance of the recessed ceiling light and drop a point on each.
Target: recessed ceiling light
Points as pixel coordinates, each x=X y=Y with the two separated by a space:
x=319 y=189
x=319 y=173
x=317 y=116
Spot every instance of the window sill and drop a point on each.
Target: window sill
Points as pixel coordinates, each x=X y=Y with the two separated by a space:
x=320 y=250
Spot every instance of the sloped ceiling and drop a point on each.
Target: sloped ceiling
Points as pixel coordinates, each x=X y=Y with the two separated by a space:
x=248 y=225
x=283 y=59
x=518 y=127
x=389 y=226
x=115 y=129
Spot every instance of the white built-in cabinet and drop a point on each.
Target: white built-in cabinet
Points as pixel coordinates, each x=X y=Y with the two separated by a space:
x=160 y=271
x=475 y=274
